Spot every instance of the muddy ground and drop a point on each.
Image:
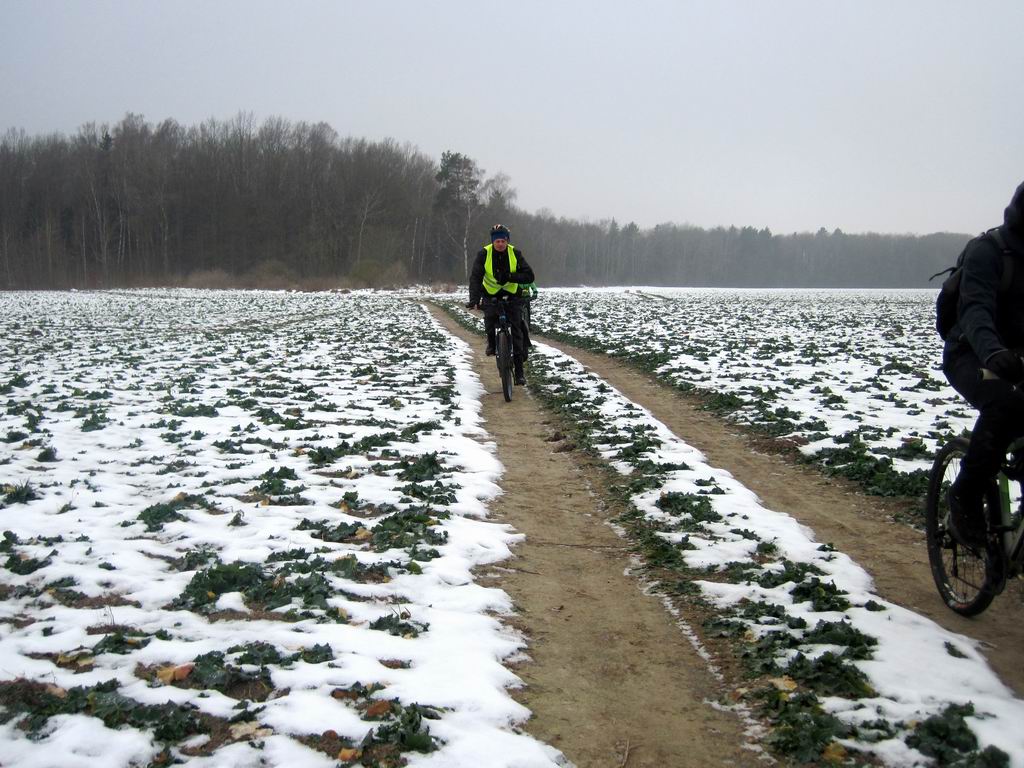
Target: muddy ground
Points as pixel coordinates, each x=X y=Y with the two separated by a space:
x=611 y=680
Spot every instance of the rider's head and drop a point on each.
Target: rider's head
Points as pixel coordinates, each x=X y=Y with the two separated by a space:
x=1014 y=214
x=499 y=237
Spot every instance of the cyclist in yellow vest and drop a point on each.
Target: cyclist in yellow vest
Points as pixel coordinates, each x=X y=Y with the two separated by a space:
x=497 y=272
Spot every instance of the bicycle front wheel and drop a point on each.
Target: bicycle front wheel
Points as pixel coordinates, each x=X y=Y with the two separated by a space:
x=504 y=358
x=965 y=579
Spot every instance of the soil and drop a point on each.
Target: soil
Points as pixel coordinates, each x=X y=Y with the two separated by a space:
x=864 y=527
x=611 y=679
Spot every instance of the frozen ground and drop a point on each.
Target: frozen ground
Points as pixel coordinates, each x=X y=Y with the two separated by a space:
x=242 y=526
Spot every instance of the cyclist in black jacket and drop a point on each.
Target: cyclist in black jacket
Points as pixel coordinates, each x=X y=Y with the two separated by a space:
x=497 y=272
x=982 y=360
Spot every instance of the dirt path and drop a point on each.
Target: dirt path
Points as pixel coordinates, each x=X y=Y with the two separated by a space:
x=859 y=525
x=612 y=680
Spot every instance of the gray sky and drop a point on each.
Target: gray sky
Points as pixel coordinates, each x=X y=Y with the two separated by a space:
x=867 y=115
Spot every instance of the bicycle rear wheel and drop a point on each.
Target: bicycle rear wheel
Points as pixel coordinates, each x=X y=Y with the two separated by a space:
x=965 y=579
x=504 y=358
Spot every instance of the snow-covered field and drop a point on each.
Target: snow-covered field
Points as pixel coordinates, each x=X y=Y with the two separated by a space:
x=837 y=370
x=242 y=526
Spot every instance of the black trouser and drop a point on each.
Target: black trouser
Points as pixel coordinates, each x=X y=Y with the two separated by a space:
x=1000 y=418
x=513 y=311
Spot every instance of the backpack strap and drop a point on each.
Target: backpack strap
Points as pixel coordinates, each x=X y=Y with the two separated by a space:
x=997 y=235
x=959 y=259
x=1004 y=286
x=949 y=271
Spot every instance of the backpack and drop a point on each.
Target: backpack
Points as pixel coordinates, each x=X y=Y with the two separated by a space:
x=946 y=311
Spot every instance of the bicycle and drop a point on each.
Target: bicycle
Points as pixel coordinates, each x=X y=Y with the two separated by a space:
x=968 y=580
x=503 y=350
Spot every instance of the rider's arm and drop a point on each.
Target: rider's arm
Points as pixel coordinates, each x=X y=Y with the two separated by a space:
x=524 y=272
x=476 y=278
x=979 y=294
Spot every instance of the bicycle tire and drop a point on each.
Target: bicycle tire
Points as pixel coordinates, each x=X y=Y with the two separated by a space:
x=965 y=580
x=504 y=358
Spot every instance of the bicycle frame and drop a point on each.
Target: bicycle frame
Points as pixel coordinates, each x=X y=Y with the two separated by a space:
x=503 y=323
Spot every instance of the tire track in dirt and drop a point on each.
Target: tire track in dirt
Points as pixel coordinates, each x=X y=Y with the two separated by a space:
x=862 y=526
x=611 y=681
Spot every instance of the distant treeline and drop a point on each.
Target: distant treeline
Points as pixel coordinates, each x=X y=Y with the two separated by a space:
x=280 y=203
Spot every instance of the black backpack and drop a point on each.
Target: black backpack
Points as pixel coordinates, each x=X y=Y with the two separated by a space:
x=946 y=313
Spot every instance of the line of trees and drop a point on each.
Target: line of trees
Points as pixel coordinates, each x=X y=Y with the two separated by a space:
x=280 y=203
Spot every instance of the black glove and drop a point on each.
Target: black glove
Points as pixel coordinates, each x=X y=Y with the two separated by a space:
x=1006 y=365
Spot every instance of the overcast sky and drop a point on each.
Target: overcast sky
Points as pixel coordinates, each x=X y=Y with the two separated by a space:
x=866 y=115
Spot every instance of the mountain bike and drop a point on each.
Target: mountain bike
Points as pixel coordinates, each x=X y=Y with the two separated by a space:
x=503 y=348
x=969 y=580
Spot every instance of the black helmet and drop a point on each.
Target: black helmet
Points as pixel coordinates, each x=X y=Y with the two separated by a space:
x=499 y=231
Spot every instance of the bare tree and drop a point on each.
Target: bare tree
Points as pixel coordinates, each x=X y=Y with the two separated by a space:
x=371 y=206
x=458 y=200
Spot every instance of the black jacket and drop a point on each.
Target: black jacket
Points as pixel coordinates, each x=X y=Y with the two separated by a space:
x=523 y=273
x=991 y=321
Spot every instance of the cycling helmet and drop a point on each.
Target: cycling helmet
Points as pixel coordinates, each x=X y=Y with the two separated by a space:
x=499 y=232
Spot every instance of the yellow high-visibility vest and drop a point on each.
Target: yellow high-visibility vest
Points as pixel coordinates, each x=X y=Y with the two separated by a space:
x=490 y=284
